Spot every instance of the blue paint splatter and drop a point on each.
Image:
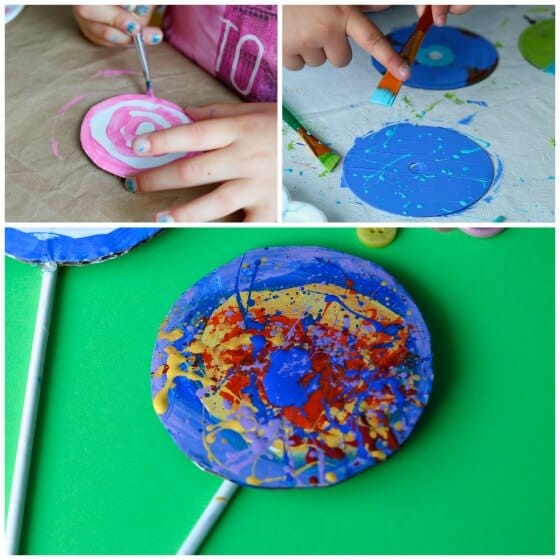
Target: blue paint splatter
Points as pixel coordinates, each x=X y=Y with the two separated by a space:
x=475 y=102
x=467 y=120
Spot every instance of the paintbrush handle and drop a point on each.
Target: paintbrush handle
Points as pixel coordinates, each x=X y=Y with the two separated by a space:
x=143 y=57
x=29 y=413
x=408 y=52
x=289 y=118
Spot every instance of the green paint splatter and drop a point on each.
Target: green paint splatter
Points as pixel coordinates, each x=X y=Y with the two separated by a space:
x=498 y=45
x=428 y=108
x=419 y=114
x=291 y=146
x=324 y=173
x=408 y=103
x=552 y=142
x=504 y=22
x=453 y=97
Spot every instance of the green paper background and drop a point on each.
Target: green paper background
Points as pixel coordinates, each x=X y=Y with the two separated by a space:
x=476 y=476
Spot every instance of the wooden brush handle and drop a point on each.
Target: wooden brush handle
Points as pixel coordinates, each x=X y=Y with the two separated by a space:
x=408 y=52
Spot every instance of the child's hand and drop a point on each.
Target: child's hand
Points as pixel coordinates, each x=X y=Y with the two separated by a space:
x=240 y=145
x=113 y=26
x=314 y=34
x=440 y=13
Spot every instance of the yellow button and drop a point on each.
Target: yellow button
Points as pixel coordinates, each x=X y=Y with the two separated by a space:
x=377 y=237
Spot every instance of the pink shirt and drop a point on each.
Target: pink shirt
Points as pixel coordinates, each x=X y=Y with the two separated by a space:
x=237 y=44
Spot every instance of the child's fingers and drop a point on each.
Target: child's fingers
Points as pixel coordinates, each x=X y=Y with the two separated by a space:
x=194 y=137
x=222 y=110
x=314 y=56
x=457 y=10
x=340 y=54
x=439 y=14
x=212 y=167
x=293 y=61
x=152 y=35
x=105 y=35
x=113 y=16
x=372 y=40
x=260 y=214
x=218 y=203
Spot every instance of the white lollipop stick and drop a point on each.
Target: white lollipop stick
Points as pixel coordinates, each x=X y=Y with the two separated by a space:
x=209 y=517
x=30 y=406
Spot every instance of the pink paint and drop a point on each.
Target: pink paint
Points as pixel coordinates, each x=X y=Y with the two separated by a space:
x=110 y=127
x=111 y=72
x=55 y=150
x=71 y=103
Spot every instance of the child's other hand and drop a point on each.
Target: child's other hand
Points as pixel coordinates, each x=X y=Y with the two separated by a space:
x=113 y=26
x=239 y=141
x=440 y=13
x=314 y=34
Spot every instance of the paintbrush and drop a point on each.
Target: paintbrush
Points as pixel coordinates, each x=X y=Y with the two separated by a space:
x=323 y=153
x=141 y=51
x=389 y=86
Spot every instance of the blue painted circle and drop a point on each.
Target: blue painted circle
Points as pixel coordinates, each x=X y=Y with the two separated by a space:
x=467 y=58
x=436 y=55
x=417 y=170
x=47 y=246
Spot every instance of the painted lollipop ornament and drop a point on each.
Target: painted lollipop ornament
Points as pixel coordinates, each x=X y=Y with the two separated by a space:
x=292 y=367
x=419 y=171
x=449 y=58
x=110 y=127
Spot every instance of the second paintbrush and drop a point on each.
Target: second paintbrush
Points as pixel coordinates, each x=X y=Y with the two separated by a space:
x=323 y=153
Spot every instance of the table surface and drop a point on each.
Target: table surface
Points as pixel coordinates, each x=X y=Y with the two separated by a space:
x=516 y=127
x=476 y=476
x=50 y=64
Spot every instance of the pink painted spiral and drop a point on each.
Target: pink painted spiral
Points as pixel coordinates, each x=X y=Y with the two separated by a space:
x=109 y=128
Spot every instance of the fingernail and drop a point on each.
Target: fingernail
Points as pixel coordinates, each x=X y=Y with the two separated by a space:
x=141 y=145
x=164 y=217
x=131 y=26
x=440 y=20
x=156 y=38
x=130 y=184
x=119 y=38
x=141 y=10
x=404 y=71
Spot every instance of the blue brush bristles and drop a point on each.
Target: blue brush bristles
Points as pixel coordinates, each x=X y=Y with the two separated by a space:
x=383 y=97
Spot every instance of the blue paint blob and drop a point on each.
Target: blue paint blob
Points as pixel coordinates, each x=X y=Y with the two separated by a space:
x=283 y=381
x=450 y=58
x=417 y=170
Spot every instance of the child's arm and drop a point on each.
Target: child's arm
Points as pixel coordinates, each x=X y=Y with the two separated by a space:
x=314 y=34
x=113 y=26
x=239 y=141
